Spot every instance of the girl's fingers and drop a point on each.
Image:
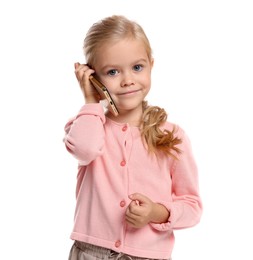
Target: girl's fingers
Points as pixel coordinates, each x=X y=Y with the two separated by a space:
x=76 y=65
x=80 y=69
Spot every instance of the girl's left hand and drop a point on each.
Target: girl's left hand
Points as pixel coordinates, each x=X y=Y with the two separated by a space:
x=140 y=210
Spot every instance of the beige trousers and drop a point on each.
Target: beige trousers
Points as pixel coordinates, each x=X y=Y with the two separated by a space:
x=84 y=251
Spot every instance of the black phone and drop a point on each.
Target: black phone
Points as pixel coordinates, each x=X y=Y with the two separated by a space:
x=104 y=94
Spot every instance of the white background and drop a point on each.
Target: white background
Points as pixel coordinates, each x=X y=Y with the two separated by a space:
x=202 y=77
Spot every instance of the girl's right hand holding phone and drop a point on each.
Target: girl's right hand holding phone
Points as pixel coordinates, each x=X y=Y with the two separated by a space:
x=83 y=72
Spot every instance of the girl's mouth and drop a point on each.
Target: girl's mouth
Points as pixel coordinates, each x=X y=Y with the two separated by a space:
x=129 y=92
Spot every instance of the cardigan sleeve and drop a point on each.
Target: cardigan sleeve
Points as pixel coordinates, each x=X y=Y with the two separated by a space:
x=186 y=206
x=84 y=134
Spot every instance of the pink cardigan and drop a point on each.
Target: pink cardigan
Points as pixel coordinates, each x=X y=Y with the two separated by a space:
x=113 y=163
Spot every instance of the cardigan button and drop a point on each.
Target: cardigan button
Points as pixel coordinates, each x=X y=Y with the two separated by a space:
x=122 y=203
x=118 y=243
x=123 y=163
x=124 y=128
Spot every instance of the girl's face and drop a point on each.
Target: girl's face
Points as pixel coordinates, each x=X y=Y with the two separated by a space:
x=125 y=69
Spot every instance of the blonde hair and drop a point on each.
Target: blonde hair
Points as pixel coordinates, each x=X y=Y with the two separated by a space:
x=113 y=29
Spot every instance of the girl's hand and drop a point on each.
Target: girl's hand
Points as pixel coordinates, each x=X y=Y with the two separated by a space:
x=142 y=211
x=83 y=72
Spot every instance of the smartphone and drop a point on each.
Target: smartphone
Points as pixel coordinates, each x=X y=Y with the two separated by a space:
x=105 y=94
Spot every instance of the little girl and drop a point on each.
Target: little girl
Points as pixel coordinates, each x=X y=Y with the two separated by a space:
x=137 y=180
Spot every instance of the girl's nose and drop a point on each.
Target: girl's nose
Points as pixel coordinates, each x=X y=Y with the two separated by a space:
x=127 y=81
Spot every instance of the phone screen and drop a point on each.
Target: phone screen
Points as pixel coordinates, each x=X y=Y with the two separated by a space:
x=104 y=94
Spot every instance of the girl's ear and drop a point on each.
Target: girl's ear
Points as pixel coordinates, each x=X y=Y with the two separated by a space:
x=152 y=62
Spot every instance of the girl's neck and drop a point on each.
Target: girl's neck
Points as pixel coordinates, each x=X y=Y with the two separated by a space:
x=133 y=118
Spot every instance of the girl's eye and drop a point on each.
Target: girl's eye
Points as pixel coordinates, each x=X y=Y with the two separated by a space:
x=138 y=67
x=112 y=72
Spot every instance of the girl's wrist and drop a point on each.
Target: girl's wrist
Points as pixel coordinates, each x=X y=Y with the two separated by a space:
x=90 y=99
x=160 y=214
